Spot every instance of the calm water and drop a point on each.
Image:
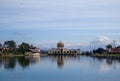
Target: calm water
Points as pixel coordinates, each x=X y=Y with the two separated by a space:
x=59 y=68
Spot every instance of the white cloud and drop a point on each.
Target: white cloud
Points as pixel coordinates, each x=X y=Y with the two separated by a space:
x=65 y=9
x=63 y=14
x=68 y=44
x=104 y=39
x=61 y=2
x=100 y=41
x=83 y=15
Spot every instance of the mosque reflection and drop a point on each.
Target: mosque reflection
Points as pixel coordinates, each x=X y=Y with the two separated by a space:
x=61 y=59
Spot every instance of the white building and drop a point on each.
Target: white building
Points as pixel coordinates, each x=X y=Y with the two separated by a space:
x=33 y=52
x=61 y=50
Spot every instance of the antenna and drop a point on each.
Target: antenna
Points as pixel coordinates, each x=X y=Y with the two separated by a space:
x=114 y=43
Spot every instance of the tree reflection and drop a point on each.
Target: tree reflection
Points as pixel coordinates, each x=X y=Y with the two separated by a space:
x=0 y=62
x=111 y=61
x=27 y=60
x=33 y=59
x=9 y=62
x=23 y=62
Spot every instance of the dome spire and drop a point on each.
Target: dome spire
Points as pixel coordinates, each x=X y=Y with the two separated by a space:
x=60 y=44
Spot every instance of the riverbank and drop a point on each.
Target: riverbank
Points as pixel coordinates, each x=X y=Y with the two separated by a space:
x=106 y=55
x=11 y=55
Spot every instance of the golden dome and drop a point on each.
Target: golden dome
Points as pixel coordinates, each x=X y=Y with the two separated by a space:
x=60 y=44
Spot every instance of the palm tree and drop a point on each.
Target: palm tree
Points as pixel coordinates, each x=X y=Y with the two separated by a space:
x=108 y=46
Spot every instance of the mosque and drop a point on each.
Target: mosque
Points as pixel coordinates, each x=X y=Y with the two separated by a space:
x=61 y=50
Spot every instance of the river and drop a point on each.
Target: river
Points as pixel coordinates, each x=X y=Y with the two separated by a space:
x=59 y=68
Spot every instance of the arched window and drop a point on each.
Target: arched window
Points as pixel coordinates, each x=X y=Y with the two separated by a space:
x=64 y=52
x=67 y=51
x=75 y=51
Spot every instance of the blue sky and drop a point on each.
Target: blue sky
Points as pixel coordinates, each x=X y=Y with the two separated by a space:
x=76 y=22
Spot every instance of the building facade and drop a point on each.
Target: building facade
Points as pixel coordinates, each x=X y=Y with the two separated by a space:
x=33 y=52
x=115 y=50
x=61 y=50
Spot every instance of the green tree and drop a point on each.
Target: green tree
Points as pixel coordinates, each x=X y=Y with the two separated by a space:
x=0 y=44
x=118 y=46
x=100 y=50
x=109 y=46
x=23 y=47
x=10 y=44
x=0 y=47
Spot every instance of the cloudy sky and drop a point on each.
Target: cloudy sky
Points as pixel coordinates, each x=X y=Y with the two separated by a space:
x=45 y=22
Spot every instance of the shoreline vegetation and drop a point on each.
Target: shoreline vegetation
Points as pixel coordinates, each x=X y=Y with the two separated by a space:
x=93 y=55
x=106 y=55
x=12 y=55
x=9 y=48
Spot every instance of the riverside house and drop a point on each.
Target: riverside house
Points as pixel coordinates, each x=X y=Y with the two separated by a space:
x=115 y=50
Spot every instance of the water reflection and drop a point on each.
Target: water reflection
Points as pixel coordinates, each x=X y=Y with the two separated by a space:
x=10 y=62
x=24 y=62
x=60 y=68
x=33 y=59
x=105 y=64
x=109 y=60
x=61 y=59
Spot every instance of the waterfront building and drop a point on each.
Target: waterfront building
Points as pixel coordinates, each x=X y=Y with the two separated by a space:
x=61 y=50
x=115 y=50
x=33 y=52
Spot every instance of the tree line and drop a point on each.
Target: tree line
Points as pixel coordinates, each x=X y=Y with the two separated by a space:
x=10 y=47
x=101 y=50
